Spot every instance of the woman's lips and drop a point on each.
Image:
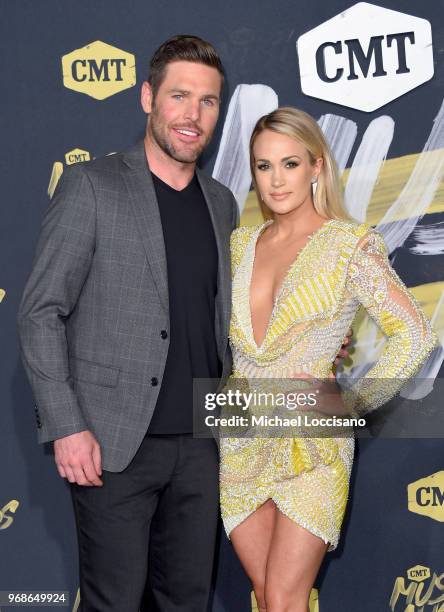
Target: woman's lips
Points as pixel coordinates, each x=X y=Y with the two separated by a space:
x=279 y=196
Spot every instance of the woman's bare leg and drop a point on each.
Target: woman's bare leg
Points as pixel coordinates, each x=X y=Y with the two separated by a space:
x=294 y=558
x=251 y=540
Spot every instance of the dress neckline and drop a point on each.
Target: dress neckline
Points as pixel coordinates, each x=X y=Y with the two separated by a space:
x=291 y=267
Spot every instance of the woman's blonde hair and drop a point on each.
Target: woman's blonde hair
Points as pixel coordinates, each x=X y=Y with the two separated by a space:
x=328 y=198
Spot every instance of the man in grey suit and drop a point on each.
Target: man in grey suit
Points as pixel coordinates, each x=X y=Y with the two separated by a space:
x=128 y=301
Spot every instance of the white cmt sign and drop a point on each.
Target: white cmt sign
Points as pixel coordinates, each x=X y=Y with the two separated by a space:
x=365 y=57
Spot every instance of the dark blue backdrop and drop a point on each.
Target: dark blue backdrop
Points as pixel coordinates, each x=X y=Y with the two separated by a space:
x=41 y=121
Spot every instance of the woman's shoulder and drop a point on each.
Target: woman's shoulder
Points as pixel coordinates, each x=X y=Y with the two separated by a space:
x=245 y=231
x=356 y=234
x=242 y=235
x=240 y=238
x=350 y=227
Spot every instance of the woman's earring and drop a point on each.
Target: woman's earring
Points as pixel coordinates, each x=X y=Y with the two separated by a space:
x=314 y=180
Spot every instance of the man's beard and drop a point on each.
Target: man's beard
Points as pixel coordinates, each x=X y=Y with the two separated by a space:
x=188 y=156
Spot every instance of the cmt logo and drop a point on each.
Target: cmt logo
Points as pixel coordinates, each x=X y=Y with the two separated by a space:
x=418 y=573
x=422 y=589
x=72 y=157
x=426 y=496
x=76 y=155
x=365 y=57
x=99 y=70
x=5 y=519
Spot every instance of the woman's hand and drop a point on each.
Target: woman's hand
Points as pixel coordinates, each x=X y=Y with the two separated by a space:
x=343 y=352
x=328 y=394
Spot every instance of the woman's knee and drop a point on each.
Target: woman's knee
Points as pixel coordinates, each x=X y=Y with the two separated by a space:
x=259 y=593
x=278 y=600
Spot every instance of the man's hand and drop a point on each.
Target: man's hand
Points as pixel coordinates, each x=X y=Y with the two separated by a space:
x=78 y=458
x=343 y=353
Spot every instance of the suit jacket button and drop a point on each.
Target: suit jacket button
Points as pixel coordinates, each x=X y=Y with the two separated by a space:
x=164 y=334
x=154 y=382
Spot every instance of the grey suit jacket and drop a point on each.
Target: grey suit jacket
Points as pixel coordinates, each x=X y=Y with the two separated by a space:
x=96 y=301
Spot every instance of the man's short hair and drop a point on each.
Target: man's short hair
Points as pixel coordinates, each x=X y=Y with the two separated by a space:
x=182 y=48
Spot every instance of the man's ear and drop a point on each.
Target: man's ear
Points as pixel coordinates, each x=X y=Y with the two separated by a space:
x=146 y=97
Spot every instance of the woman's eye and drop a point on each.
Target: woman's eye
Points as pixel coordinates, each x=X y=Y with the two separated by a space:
x=292 y=164
x=262 y=166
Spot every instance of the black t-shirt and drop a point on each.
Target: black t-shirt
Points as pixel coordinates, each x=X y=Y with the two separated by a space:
x=192 y=263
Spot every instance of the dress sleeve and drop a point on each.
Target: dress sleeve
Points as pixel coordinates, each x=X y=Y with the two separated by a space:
x=410 y=338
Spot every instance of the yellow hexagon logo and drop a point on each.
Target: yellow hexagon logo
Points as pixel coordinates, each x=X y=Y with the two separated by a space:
x=99 y=70
x=426 y=496
x=418 y=573
x=76 y=155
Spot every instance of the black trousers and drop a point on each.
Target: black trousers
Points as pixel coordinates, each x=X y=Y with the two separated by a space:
x=147 y=536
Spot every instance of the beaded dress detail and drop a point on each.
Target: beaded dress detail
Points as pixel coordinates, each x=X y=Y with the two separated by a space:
x=343 y=265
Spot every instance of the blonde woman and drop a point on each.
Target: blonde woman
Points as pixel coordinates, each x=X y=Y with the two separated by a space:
x=298 y=281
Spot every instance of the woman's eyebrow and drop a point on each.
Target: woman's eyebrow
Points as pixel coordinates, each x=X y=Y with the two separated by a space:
x=290 y=157
x=283 y=159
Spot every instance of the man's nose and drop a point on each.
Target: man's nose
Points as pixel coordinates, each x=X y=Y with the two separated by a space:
x=192 y=110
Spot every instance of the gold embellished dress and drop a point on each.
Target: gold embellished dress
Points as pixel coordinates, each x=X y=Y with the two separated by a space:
x=343 y=265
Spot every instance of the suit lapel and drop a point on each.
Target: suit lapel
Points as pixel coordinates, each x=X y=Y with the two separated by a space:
x=146 y=210
x=145 y=207
x=222 y=234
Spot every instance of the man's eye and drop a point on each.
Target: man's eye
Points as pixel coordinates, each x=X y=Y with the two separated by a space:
x=178 y=96
x=208 y=102
x=263 y=166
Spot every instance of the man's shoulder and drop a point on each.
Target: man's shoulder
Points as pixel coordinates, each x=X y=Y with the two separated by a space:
x=98 y=170
x=111 y=163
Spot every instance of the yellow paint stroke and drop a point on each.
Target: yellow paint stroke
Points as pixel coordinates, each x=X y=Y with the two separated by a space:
x=428 y=296
x=313 y=602
x=57 y=171
x=2 y=294
x=77 y=601
x=392 y=179
x=6 y=519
